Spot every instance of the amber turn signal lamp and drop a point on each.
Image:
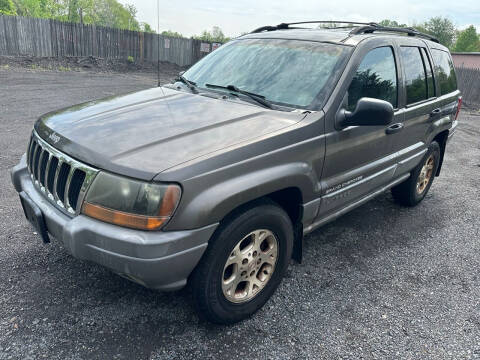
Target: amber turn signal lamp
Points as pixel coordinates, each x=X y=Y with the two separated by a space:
x=123 y=219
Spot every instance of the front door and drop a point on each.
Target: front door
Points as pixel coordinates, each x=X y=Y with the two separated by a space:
x=360 y=159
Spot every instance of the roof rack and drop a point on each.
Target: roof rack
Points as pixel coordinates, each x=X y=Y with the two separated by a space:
x=358 y=28
x=284 y=26
x=370 y=28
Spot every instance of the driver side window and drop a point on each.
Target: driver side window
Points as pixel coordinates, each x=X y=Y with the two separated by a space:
x=376 y=77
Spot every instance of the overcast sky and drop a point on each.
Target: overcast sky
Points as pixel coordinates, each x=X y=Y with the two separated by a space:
x=237 y=16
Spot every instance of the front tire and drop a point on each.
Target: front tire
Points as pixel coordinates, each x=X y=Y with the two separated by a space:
x=243 y=264
x=413 y=190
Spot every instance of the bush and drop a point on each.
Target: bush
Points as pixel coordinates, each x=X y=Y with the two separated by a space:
x=7 y=7
x=130 y=60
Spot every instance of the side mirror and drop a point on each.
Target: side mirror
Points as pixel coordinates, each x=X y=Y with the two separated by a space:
x=368 y=112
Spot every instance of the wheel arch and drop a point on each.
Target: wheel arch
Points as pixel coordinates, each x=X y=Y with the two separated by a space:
x=441 y=138
x=290 y=200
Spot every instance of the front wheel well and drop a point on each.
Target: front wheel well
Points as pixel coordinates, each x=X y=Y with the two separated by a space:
x=441 y=139
x=290 y=200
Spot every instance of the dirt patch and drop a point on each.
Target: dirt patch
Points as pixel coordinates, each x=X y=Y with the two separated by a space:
x=89 y=63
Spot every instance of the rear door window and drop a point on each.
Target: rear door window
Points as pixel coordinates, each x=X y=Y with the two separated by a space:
x=444 y=71
x=376 y=77
x=428 y=69
x=415 y=78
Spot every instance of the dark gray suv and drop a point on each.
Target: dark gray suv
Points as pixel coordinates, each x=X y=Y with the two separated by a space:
x=214 y=180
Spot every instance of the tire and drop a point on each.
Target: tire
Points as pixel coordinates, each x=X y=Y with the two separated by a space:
x=221 y=291
x=409 y=193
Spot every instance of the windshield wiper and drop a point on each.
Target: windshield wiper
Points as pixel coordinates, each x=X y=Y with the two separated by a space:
x=257 y=97
x=190 y=84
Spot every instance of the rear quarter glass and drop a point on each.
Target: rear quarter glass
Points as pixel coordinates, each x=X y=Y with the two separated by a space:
x=444 y=71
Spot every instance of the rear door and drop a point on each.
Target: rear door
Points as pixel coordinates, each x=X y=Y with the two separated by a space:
x=359 y=159
x=419 y=102
x=448 y=93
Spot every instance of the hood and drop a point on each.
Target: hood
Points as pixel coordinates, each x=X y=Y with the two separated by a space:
x=144 y=133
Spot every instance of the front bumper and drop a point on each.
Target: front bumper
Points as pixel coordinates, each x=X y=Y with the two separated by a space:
x=155 y=259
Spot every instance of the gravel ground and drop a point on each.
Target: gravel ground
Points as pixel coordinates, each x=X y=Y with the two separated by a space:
x=380 y=282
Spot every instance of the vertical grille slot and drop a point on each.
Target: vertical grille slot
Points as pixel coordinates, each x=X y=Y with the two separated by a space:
x=76 y=183
x=36 y=158
x=62 y=181
x=31 y=154
x=31 y=144
x=43 y=166
x=51 y=174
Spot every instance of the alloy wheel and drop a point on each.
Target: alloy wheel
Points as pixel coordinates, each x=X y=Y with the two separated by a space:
x=250 y=266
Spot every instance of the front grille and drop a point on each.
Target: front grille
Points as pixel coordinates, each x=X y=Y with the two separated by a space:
x=62 y=179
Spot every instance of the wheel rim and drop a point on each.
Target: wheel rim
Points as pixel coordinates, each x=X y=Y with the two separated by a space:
x=425 y=174
x=250 y=266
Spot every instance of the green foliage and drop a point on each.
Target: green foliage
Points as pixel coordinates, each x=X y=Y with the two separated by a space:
x=130 y=59
x=39 y=8
x=391 y=23
x=146 y=28
x=108 y=13
x=171 y=33
x=468 y=40
x=444 y=30
x=328 y=25
x=7 y=7
x=441 y=28
x=216 y=35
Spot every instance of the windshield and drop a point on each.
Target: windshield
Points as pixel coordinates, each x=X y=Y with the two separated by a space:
x=289 y=72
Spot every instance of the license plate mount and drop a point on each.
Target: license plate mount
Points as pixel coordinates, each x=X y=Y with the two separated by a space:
x=35 y=216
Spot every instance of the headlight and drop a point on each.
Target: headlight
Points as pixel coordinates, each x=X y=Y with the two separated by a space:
x=131 y=203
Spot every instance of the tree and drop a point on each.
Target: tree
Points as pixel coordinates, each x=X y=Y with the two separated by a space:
x=328 y=25
x=441 y=28
x=216 y=35
x=391 y=23
x=7 y=7
x=468 y=40
x=171 y=33
x=108 y=13
x=145 y=27
x=50 y=9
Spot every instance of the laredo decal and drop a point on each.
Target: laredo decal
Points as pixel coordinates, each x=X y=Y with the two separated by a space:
x=343 y=185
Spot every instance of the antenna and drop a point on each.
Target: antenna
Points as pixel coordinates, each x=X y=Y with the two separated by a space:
x=158 y=43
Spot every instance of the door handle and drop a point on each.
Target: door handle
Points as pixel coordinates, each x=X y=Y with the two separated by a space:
x=392 y=129
x=436 y=112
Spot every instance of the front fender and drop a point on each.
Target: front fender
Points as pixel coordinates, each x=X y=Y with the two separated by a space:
x=216 y=201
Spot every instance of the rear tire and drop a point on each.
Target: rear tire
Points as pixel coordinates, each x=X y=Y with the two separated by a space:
x=413 y=190
x=244 y=263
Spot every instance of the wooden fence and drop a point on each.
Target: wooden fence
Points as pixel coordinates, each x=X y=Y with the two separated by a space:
x=22 y=36
x=469 y=84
